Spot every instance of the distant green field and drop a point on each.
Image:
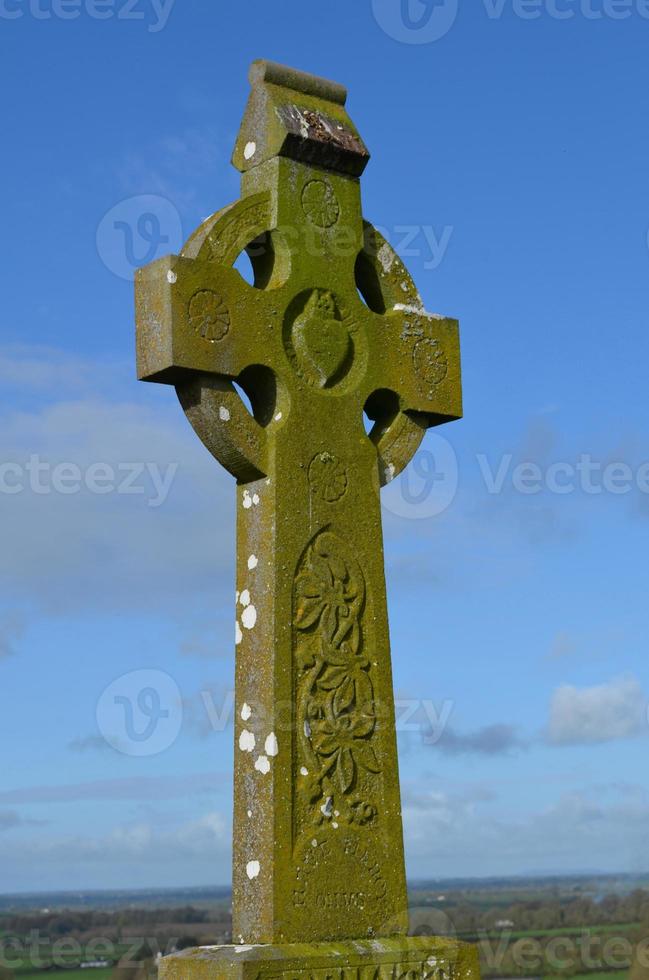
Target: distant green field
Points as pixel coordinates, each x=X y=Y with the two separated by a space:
x=67 y=975
x=66 y=966
x=563 y=931
x=615 y=975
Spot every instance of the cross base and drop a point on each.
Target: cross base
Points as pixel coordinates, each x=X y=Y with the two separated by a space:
x=420 y=958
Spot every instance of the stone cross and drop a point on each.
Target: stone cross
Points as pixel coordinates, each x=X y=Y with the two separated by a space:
x=332 y=328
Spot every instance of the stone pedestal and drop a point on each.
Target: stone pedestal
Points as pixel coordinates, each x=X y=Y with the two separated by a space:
x=421 y=958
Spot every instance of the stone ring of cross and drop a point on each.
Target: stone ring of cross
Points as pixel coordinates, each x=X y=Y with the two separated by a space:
x=333 y=318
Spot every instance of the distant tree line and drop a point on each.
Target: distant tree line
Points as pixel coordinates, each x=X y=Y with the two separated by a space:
x=546 y=914
x=58 y=924
x=163 y=929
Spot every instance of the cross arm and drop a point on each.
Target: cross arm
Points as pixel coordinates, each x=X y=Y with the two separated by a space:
x=195 y=316
x=416 y=383
x=417 y=357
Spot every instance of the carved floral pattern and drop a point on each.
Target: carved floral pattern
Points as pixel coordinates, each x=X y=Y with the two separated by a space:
x=208 y=315
x=328 y=477
x=335 y=693
x=320 y=203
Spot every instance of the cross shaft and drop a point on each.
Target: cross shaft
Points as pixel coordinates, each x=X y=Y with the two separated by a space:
x=318 y=852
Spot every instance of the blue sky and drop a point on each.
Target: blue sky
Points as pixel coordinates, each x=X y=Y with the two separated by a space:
x=510 y=152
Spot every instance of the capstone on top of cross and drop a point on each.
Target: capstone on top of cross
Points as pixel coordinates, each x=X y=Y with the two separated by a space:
x=301 y=116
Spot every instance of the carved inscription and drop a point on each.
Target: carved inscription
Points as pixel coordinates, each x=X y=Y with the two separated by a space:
x=358 y=884
x=355 y=848
x=428 y=969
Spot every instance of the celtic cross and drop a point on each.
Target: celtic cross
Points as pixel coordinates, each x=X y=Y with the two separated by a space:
x=332 y=328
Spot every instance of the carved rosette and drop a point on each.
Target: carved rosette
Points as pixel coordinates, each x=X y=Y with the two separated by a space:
x=328 y=477
x=336 y=764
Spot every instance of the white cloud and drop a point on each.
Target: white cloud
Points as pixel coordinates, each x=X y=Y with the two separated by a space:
x=12 y=627
x=90 y=743
x=46 y=369
x=129 y=788
x=564 y=644
x=493 y=740
x=9 y=819
x=455 y=833
x=133 y=855
x=174 y=166
x=141 y=841
x=108 y=550
x=587 y=645
x=604 y=713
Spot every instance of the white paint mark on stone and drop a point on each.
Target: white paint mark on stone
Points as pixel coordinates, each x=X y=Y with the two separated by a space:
x=327 y=807
x=243 y=949
x=262 y=765
x=250 y=150
x=252 y=869
x=271 y=747
x=278 y=417
x=253 y=561
x=249 y=814
x=334 y=825
x=249 y=617
x=304 y=126
x=172 y=277
x=307 y=729
x=386 y=256
x=245 y=598
x=247 y=500
x=224 y=414
x=255 y=499
x=246 y=712
x=304 y=771
x=238 y=635
x=246 y=741
x=417 y=311
x=314 y=843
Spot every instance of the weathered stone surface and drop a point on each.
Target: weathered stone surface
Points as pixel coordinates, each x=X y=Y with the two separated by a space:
x=318 y=851
x=385 y=959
